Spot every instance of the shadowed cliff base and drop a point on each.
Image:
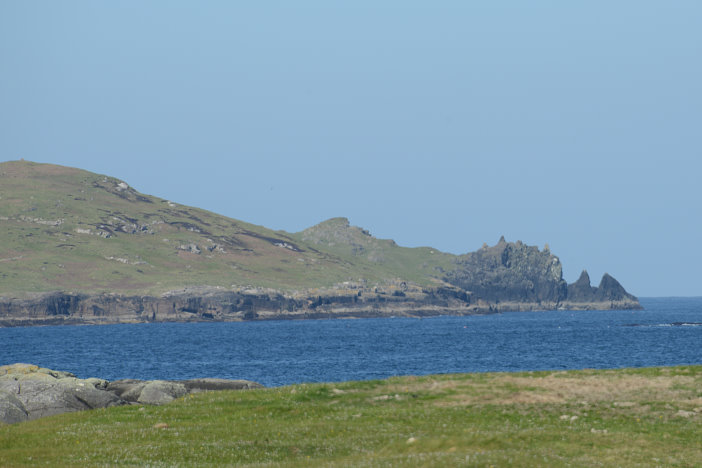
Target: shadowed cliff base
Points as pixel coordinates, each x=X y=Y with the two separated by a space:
x=211 y=304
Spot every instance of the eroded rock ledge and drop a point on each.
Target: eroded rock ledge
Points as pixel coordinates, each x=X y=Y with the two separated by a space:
x=30 y=392
x=213 y=304
x=399 y=299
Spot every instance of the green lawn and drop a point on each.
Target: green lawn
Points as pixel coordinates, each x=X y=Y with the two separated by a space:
x=628 y=417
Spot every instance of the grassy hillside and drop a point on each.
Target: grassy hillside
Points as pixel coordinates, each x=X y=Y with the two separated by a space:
x=356 y=245
x=626 y=417
x=68 y=229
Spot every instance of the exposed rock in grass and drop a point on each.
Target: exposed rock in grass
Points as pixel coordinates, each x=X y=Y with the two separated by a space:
x=158 y=392
x=30 y=392
x=44 y=392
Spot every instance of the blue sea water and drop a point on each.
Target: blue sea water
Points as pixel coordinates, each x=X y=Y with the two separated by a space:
x=667 y=332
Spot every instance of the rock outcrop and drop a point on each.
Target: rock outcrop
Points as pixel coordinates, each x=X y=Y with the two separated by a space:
x=158 y=392
x=515 y=276
x=215 y=304
x=30 y=392
x=581 y=291
x=43 y=392
x=510 y=272
x=609 y=294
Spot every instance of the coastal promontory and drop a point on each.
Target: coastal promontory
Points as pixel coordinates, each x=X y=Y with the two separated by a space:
x=80 y=247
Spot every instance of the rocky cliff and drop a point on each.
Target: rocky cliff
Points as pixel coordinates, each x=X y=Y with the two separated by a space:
x=510 y=272
x=518 y=276
x=485 y=283
x=507 y=276
x=212 y=304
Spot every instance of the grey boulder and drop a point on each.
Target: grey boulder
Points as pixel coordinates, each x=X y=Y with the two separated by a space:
x=42 y=394
x=160 y=392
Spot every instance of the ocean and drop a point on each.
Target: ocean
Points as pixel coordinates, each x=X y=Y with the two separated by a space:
x=668 y=332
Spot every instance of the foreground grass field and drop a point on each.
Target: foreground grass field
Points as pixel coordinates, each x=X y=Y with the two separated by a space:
x=628 y=417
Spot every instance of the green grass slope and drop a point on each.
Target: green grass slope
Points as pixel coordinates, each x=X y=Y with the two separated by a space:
x=72 y=230
x=625 y=417
x=356 y=245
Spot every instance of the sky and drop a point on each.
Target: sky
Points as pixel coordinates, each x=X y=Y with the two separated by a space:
x=444 y=123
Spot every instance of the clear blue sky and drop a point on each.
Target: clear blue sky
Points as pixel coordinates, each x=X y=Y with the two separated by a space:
x=443 y=123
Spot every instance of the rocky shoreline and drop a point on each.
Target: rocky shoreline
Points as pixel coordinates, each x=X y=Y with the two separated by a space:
x=217 y=305
x=30 y=392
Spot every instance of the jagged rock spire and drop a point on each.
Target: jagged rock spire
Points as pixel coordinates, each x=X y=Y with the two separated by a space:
x=584 y=279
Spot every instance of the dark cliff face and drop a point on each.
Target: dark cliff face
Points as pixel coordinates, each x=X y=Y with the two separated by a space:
x=512 y=272
x=62 y=308
x=609 y=290
x=581 y=291
x=517 y=273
